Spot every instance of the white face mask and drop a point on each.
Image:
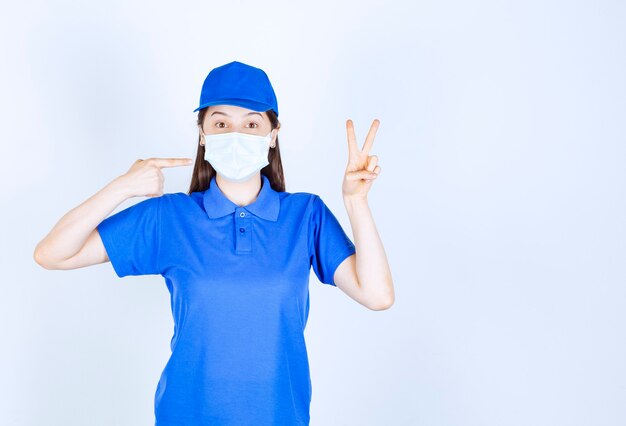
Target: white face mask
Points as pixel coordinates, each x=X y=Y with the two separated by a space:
x=237 y=156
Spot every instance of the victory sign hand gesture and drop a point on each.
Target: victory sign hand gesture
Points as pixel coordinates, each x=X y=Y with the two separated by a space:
x=361 y=169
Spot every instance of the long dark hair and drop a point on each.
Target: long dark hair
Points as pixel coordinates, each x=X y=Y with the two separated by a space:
x=203 y=172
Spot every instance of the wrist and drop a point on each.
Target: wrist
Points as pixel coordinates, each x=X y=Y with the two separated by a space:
x=352 y=201
x=119 y=187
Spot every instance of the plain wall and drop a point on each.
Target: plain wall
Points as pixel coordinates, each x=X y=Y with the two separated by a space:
x=500 y=203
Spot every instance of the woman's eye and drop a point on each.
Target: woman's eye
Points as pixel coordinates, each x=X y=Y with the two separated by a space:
x=221 y=125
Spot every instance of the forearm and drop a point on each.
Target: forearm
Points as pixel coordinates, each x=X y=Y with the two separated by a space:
x=69 y=234
x=372 y=267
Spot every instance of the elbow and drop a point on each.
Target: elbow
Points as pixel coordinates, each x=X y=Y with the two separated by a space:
x=381 y=307
x=382 y=304
x=40 y=258
x=382 y=301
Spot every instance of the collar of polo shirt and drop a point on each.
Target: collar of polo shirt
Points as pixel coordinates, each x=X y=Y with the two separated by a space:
x=266 y=205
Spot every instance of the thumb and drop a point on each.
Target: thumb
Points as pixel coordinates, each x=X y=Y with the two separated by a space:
x=360 y=174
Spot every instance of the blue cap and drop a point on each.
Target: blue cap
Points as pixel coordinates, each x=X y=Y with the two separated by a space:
x=238 y=84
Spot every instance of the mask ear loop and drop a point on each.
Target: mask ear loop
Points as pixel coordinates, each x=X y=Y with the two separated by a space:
x=271 y=131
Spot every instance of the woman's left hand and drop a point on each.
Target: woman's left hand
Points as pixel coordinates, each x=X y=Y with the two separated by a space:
x=362 y=169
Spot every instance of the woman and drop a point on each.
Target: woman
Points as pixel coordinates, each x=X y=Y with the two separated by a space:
x=236 y=253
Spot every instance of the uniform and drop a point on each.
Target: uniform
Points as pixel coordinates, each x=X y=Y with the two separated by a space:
x=238 y=281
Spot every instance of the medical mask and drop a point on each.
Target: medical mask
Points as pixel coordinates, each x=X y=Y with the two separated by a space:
x=237 y=156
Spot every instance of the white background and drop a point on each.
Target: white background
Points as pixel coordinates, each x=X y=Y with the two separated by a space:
x=501 y=200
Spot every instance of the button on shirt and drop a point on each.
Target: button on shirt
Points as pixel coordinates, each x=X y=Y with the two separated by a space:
x=238 y=280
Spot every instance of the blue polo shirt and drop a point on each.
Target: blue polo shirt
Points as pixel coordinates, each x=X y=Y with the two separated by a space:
x=238 y=281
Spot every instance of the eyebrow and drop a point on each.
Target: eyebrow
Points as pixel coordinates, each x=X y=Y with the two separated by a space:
x=223 y=113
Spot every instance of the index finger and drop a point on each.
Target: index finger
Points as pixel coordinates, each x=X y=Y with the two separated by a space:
x=352 y=147
x=171 y=162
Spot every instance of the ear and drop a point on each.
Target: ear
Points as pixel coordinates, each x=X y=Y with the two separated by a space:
x=202 y=141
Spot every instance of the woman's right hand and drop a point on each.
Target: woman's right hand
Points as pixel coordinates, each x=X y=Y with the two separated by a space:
x=74 y=242
x=145 y=178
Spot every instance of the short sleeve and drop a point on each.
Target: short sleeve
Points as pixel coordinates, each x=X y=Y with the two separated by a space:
x=131 y=238
x=329 y=244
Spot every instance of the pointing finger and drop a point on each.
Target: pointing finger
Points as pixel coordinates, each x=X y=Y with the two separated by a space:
x=171 y=162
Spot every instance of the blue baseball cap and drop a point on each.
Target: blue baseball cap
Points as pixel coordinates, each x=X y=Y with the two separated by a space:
x=238 y=84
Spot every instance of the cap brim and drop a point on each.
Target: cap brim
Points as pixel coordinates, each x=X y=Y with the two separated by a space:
x=244 y=103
